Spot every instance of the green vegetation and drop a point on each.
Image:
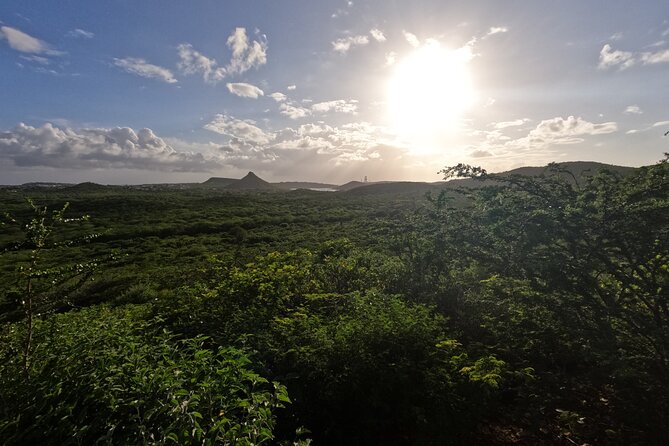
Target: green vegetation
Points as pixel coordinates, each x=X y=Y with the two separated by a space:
x=501 y=309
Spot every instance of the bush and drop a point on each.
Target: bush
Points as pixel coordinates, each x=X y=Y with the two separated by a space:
x=106 y=376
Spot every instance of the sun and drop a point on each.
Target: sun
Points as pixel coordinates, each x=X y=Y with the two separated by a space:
x=429 y=92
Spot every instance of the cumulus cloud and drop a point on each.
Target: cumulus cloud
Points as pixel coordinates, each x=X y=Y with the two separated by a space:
x=344 y=44
x=244 y=90
x=79 y=33
x=241 y=129
x=377 y=34
x=633 y=110
x=291 y=87
x=569 y=130
x=610 y=58
x=124 y=147
x=246 y=54
x=277 y=96
x=540 y=144
x=294 y=111
x=315 y=146
x=24 y=43
x=339 y=105
x=194 y=62
x=649 y=58
x=142 y=68
x=411 y=39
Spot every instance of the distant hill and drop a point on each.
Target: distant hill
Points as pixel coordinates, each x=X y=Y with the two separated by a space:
x=292 y=185
x=351 y=185
x=44 y=184
x=88 y=187
x=218 y=182
x=395 y=187
x=580 y=169
x=250 y=182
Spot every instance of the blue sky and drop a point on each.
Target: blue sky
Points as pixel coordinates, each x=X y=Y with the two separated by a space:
x=171 y=91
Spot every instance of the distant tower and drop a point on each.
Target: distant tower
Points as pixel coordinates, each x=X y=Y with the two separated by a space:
x=365 y=178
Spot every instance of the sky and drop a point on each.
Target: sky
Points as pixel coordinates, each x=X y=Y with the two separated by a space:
x=155 y=91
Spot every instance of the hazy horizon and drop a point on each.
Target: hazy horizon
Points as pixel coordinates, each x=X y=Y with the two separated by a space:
x=330 y=92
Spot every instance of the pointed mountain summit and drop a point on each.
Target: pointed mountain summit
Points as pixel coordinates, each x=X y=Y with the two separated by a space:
x=250 y=182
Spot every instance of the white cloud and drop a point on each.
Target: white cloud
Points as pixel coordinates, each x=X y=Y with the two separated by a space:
x=391 y=58
x=633 y=110
x=79 y=33
x=540 y=144
x=140 y=67
x=377 y=34
x=496 y=30
x=291 y=87
x=24 y=43
x=649 y=58
x=571 y=126
x=244 y=90
x=346 y=43
x=245 y=54
x=294 y=111
x=609 y=58
x=37 y=59
x=124 y=147
x=411 y=39
x=194 y=62
x=515 y=123
x=569 y=130
x=616 y=36
x=660 y=123
x=339 y=105
x=277 y=96
x=244 y=130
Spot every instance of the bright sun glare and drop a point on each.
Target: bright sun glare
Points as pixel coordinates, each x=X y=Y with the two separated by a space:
x=429 y=91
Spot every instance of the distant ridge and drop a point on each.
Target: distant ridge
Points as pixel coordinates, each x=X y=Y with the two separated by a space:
x=250 y=182
x=580 y=169
x=392 y=187
x=218 y=182
x=292 y=185
x=44 y=184
x=351 y=185
x=87 y=187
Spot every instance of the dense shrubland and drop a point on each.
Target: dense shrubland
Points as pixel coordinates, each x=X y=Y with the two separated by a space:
x=525 y=310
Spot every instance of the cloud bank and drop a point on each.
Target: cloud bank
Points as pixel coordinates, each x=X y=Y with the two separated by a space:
x=120 y=147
